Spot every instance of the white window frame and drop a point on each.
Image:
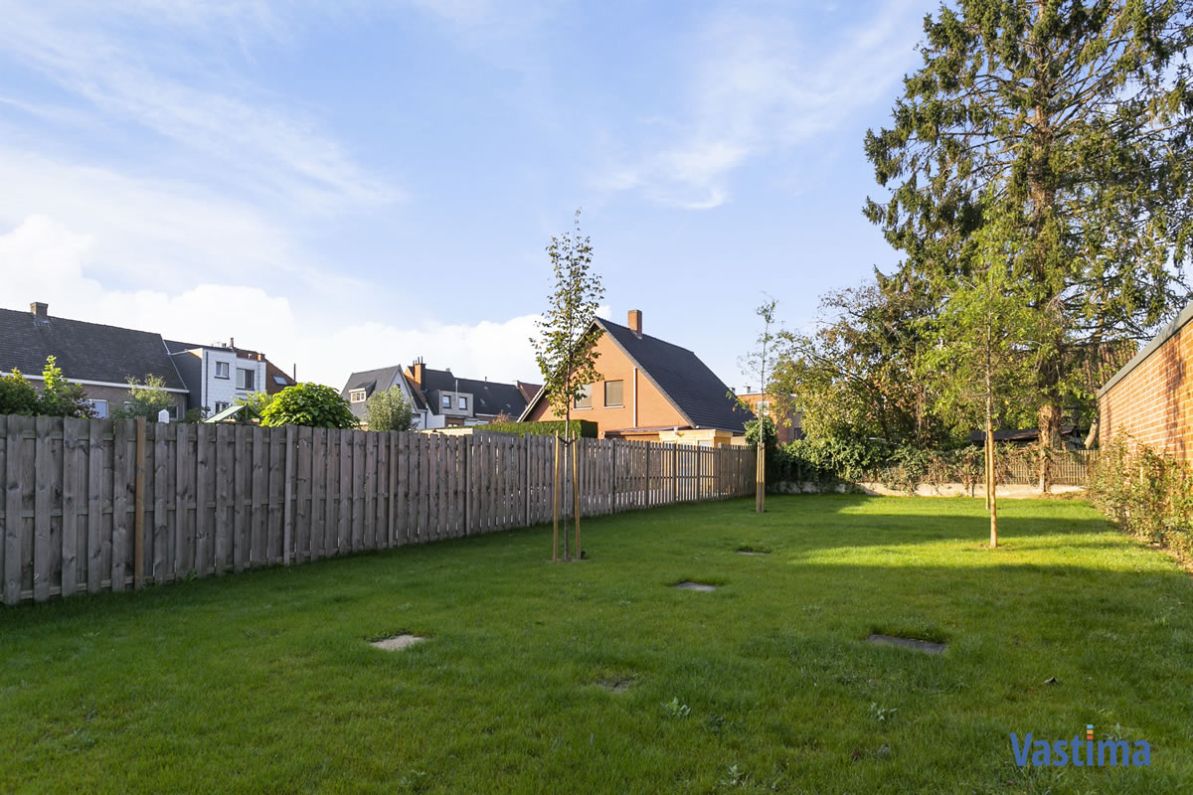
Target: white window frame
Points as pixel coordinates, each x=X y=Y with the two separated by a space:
x=225 y=368
x=243 y=383
x=99 y=408
x=357 y=395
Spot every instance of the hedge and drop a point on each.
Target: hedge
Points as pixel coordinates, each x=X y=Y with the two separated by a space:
x=1147 y=493
x=582 y=428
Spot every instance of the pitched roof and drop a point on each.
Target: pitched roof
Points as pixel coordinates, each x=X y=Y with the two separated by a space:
x=489 y=397
x=528 y=390
x=692 y=387
x=370 y=381
x=85 y=351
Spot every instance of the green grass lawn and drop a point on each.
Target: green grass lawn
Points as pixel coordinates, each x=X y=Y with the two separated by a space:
x=265 y=681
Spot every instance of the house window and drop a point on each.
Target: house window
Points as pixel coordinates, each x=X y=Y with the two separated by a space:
x=221 y=369
x=99 y=409
x=221 y=405
x=613 y=393
x=584 y=397
x=357 y=395
x=244 y=378
x=463 y=404
x=447 y=401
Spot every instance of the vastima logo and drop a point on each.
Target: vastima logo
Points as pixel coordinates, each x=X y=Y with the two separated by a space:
x=1080 y=751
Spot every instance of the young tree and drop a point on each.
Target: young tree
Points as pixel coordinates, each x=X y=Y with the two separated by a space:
x=314 y=405
x=977 y=364
x=17 y=395
x=565 y=349
x=146 y=399
x=1069 y=124
x=759 y=363
x=389 y=411
x=59 y=397
x=254 y=404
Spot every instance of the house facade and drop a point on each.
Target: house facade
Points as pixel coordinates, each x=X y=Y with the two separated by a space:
x=440 y=398
x=99 y=358
x=364 y=384
x=1150 y=400
x=652 y=390
x=216 y=375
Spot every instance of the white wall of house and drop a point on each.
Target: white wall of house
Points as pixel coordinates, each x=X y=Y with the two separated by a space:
x=228 y=377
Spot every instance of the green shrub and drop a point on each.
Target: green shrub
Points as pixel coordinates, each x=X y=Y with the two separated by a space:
x=309 y=404
x=580 y=428
x=17 y=395
x=59 y=397
x=145 y=400
x=1148 y=494
x=389 y=411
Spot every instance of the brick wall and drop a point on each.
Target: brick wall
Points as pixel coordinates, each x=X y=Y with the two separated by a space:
x=1151 y=399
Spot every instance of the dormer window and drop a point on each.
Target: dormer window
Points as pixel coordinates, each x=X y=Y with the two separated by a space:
x=447 y=401
x=463 y=404
x=357 y=395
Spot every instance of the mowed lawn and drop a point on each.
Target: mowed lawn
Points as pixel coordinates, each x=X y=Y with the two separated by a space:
x=266 y=682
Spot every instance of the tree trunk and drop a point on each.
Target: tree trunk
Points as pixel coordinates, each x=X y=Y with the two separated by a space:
x=576 y=495
x=760 y=474
x=1049 y=425
x=555 y=505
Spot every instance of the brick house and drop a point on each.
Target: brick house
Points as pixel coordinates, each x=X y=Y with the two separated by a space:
x=1150 y=400
x=99 y=358
x=652 y=390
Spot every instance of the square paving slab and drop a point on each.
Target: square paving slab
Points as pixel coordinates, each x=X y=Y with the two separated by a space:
x=688 y=585
x=397 y=642
x=915 y=644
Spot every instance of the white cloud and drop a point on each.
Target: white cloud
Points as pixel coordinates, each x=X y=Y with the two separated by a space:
x=41 y=259
x=152 y=81
x=759 y=85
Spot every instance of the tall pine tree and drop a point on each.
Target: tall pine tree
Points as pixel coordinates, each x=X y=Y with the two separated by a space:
x=1068 y=124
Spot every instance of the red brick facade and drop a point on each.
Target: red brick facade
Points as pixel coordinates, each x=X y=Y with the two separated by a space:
x=1150 y=401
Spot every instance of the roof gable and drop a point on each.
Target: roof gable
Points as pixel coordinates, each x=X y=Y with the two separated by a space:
x=694 y=389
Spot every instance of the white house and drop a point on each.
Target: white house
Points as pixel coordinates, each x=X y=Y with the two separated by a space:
x=219 y=374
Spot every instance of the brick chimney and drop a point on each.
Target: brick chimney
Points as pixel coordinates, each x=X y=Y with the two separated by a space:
x=39 y=310
x=634 y=321
x=416 y=371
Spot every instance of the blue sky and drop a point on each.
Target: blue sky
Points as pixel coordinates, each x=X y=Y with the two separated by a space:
x=348 y=185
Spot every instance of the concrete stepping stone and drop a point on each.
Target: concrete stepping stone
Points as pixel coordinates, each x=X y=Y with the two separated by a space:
x=397 y=642
x=915 y=644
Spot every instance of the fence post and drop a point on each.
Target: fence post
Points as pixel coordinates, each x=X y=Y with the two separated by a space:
x=525 y=480
x=139 y=508
x=467 y=483
x=287 y=508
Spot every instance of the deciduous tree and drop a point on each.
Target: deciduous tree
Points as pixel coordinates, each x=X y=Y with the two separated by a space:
x=565 y=347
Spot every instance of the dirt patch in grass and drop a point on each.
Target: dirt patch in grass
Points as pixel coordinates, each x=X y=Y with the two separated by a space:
x=752 y=550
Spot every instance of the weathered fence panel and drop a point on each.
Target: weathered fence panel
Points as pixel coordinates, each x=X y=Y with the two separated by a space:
x=95 y=505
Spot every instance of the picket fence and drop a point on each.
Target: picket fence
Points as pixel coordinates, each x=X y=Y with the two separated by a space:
x=97 y=505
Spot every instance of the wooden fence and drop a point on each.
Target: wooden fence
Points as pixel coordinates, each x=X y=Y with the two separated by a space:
x=97 y=505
